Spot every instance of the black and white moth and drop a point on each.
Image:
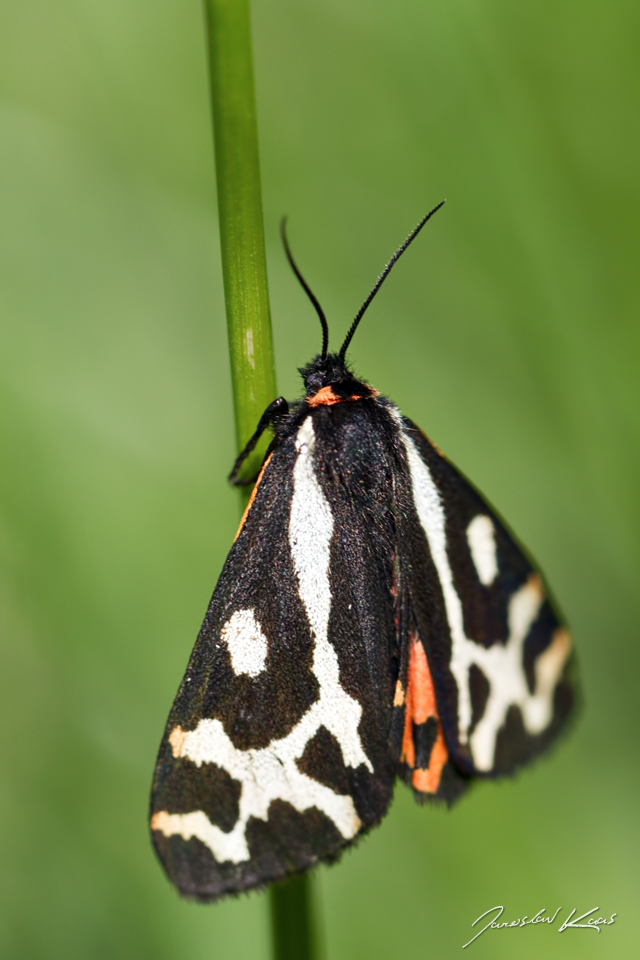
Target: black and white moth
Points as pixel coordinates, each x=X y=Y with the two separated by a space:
x=374 y=619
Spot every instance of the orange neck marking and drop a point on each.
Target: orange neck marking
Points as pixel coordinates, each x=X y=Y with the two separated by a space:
x=326 y=397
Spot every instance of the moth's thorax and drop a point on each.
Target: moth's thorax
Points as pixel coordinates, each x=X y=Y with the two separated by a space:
x=328 y=380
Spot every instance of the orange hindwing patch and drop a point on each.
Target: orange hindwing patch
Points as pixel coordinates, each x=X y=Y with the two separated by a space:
x=420 y=705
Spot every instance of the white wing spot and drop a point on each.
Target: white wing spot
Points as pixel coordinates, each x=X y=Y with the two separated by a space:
x=482 y=544
x=502 y=663
x=272 y=773
x=246 y=642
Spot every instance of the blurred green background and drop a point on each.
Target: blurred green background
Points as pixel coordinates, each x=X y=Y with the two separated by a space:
x=509 y=332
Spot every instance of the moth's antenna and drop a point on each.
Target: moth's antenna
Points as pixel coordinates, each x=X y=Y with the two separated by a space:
x=383 y=276
x=306 y=288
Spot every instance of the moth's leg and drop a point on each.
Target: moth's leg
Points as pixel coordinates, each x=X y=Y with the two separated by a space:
x=279 y=408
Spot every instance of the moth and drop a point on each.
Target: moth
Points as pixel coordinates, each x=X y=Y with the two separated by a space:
x=375 y=619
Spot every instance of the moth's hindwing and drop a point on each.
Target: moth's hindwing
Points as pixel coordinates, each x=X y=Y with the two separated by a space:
x=486 y=655
x=276 y=751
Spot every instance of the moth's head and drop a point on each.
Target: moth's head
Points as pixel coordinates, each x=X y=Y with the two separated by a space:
x=329 y=371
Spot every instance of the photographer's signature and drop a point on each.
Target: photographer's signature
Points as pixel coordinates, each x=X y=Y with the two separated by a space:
x=593 y=923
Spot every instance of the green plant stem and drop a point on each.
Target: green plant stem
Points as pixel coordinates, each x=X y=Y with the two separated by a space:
x=244 y=265
x=246 y=293
x=292 y=919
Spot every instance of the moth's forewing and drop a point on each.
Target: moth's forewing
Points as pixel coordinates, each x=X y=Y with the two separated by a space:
x=275 y=755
